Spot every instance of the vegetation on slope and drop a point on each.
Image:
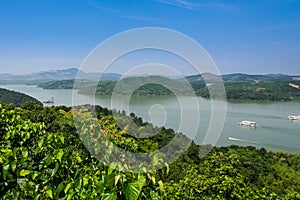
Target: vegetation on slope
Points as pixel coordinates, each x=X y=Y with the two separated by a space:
x=43 y=157
x=237 y=86
x=15 y=98
x=273 y=91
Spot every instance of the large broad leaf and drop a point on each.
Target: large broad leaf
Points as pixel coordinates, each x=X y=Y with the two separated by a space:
x=109 y=196
x=134 y=188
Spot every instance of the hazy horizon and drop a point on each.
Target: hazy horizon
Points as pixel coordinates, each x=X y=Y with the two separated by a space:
x=57 y=69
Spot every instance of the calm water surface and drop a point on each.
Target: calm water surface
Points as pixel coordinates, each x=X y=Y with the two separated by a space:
x=274 y=132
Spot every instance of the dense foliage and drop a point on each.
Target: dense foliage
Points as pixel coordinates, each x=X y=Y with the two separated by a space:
x=273 y=91
x=15 y=98
x=43 y=157
x=64 y=84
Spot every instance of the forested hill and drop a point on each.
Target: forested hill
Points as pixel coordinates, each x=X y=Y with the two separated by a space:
x=43 y=157
x=15 y=98
x=272 y=87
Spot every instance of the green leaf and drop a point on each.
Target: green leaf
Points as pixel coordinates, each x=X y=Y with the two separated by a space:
x=78 y=184
x=34 y=175
x=111 y=168
x=27 y=135
x=69 y=185
x=55 y=169
x=47 y=159
x=40 y=142
x=13 y=166
x=134 y=188
x=24 y=172
x=59 y=154
x=59 y=188
x=77 y=156
x=49 y=193
x=5 y=169
x=37 y=197
x=117 y=177
x=61 y=138
x=34 y=129
x=153 y=179
x=109 y=196
x=167 y=167
x=154 y=195
x=85 y=180
x=25 y=152
x=155 y=160
x=161 y=186
x=71 y=194
x=6 y=151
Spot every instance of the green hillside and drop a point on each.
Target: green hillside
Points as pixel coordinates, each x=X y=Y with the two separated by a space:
x=42 y=156
x=273 y=87
x=15 y=98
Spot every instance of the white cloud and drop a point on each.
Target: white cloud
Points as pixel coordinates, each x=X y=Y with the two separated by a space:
x=198 y=6
x=122 y=13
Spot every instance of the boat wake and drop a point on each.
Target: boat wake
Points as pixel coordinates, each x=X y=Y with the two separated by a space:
x=275 y=146
x=241 y=140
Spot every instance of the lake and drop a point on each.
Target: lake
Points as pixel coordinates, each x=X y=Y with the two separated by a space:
x=274 y=131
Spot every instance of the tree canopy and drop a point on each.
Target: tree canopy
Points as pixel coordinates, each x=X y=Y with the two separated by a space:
x=16 y=98
x=42 y=156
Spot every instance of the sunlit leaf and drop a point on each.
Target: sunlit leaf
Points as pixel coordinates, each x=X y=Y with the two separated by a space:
x=24 y=172
x=134 y=188
x=40 y=142
x=117 y=177
x=59 y=154
x=68 y=186
x=109 y=196
x=25 y=152
x=49 y=193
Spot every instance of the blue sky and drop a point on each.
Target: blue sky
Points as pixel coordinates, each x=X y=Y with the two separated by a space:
x=256 y=36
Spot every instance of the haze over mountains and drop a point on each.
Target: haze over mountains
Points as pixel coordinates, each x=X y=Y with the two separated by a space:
x=71 y=73
x=54 y=75
x=238 y=86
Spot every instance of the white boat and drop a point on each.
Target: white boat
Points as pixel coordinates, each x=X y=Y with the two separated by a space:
x=248 y=123
x=294 y=117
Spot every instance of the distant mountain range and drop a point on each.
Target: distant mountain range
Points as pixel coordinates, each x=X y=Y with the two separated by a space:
x=238 y=86
x=71 y=73
x=270 y=87
x=244 y=77
x=54 y=75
